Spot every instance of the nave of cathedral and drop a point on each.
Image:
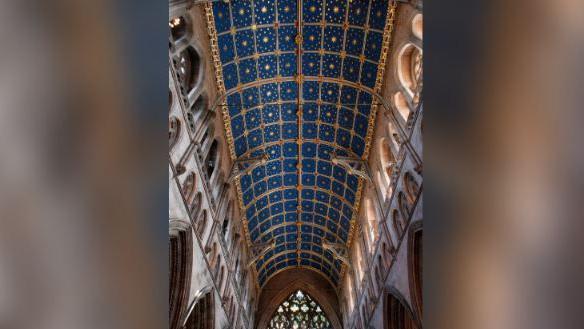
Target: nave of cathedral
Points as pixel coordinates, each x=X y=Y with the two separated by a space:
x=295 y=164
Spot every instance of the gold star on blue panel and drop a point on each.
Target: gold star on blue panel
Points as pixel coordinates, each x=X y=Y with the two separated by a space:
x=358 y=12
x=335 y=11
x=312 y=11
x=311 y=37
x=247 y=71
x=264 y=11
x=288 y=65
x=333 y=38
x=287 y=11
x=257 y=41
x=241 y=13
x=266 y=40
x=286 y=38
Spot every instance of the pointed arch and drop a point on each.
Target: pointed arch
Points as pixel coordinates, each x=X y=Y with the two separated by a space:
x=299 y=308
x=397 y=313
x=180 y=249
x=409 y=66
x=283 y=284
x=189 y=69
x=415 y=264
x=202 y=315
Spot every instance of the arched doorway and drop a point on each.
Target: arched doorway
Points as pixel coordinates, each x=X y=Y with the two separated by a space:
x=397 y=314
x=415 y=260
x=202 y=315
x=180 y=242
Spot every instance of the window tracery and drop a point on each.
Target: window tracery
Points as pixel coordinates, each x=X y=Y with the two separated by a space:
x=188 y=68
x=299 y=311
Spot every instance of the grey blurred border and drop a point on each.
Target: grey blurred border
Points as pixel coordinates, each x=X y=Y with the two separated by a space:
x=503 y=164
x=83 y=92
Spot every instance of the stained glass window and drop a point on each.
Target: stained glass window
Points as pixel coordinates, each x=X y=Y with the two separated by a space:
x=299 y=311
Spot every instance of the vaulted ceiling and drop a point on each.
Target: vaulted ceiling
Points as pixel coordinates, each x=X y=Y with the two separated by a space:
x=299 y=78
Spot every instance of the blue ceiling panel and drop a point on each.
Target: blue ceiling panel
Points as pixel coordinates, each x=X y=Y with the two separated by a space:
x=298 y=77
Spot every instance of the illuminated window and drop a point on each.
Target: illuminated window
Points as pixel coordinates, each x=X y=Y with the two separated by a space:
x=189 y=68
x=417 y=26
x=299 y=311
x=178 y=28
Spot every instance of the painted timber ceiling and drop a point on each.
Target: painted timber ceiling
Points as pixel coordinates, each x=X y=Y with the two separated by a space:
x=298 y=78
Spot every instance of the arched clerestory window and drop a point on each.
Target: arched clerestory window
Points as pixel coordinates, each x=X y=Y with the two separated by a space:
x=188 y=68
x=409 y=66
x=178 y=28
x=417 y=26
x=299 y=311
